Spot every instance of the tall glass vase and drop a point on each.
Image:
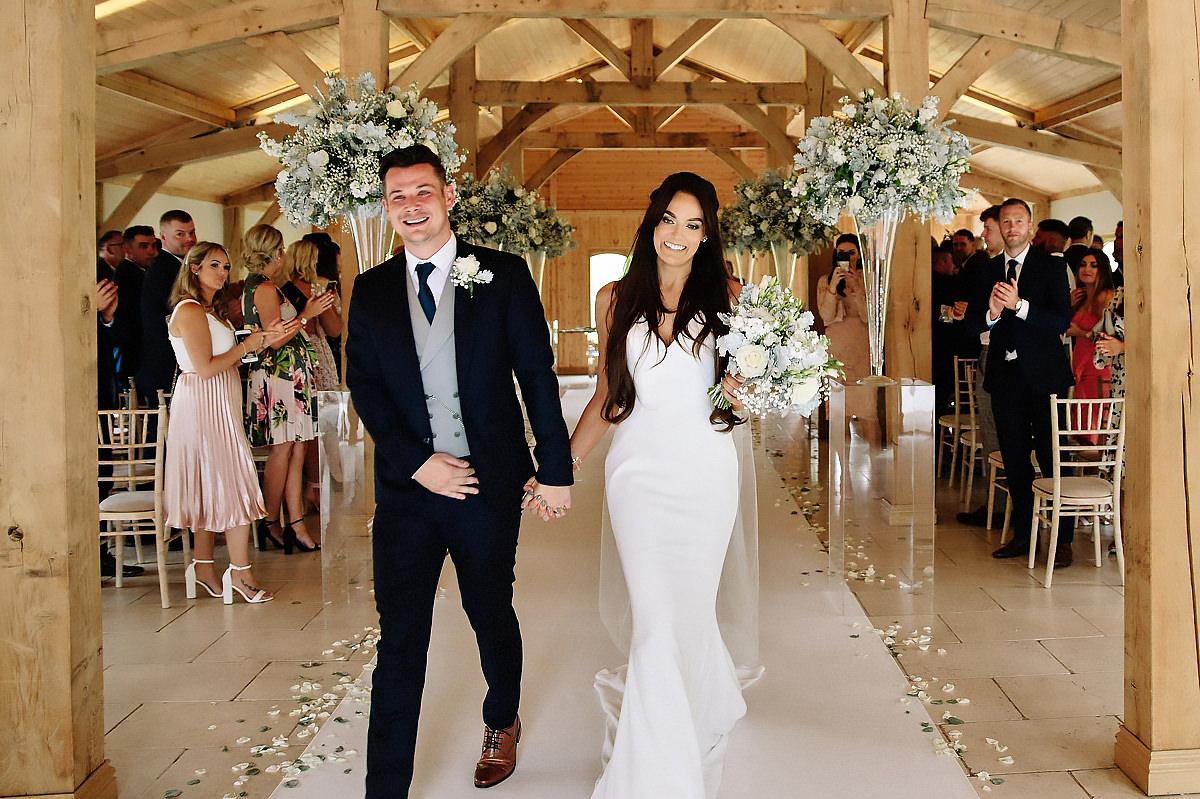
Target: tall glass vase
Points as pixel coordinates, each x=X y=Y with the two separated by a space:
x=743 y=261
x=537 y=265
x=785 y=262
x=372 y=234
x=878 y=242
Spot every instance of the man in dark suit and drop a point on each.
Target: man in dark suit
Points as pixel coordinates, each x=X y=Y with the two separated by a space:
x=130 y=277
x=430 y=367
x=157 y=368
x=1027 y=307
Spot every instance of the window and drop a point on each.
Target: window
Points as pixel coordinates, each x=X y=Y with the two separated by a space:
x=605 y=268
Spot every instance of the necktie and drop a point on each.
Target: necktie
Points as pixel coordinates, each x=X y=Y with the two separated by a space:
x=1012 y=269
x=424 y=293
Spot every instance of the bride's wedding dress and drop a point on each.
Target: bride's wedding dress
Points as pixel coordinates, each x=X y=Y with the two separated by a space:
x=672 y=489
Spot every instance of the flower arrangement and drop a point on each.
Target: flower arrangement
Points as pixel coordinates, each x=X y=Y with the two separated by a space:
x=767 y=211
x=879 y=154
x=771 y=345
x=551 y=233
x=331 y=162
x=496 y=211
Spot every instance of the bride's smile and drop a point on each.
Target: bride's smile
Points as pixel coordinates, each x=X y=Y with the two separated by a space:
x=680 y=231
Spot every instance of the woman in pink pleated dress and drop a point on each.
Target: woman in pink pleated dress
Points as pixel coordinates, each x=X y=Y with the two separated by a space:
x=210 y=485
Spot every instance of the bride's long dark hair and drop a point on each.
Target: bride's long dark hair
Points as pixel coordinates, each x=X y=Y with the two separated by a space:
x=638 y=296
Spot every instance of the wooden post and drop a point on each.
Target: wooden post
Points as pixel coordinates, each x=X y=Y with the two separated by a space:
x=363 y=31
x=50 y=644
x=908 y=347
x=464 y=113
x=233 y=218
x=1158 y=745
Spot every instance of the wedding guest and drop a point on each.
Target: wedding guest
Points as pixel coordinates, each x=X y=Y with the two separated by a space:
x=329 y=266
x=130 y=276
x=962 y=247
x=211 y=484
x=156 y=370
x=301 y=284
x=281 y=408
x=1051 y=236
x=1088 y=302
x=1118 y=255
x=842 y=306
x=110 y=251
x=1079 y=231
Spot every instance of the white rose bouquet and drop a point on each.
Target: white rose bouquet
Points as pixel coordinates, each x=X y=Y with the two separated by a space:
x=771 y=345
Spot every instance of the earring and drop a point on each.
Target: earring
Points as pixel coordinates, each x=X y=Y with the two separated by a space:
x=704 y=239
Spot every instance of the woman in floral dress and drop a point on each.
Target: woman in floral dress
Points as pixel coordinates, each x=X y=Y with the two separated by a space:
x=281 y=406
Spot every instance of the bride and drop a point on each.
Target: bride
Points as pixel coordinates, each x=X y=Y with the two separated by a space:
x=672 y=489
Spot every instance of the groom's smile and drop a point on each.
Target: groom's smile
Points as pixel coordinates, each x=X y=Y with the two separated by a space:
x=417 y=203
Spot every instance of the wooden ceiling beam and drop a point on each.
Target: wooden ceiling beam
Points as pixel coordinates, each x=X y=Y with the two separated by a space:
x=131 y=46
x=271 y=215
x=251 y=195
x=547 y=170
x=282 y=51
x=498 y=92
x=1102 y=96
x=614 y=56
x=1042 y=143
x=1083 y=134
x=641 y=141
x=415 y=33
x=1048 y=34
x=1110 y=179
x=820 y=9
x=161 y=95
x=148 y=184
x=734 y=162
x=991 y=100
x=998 y=188
x=188 y=151
x=464 y=32
x=860 y=33
x=684 y=44
x=828 y=49
x=641 y=51
x=971 y=65
x=775 y=136
x=492 y=151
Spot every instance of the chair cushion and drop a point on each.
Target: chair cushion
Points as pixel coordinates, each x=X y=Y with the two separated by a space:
x=947 y=420
x=1085 y=488
x=128 y=502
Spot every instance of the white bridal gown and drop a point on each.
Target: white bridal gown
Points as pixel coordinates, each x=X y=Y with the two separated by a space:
x=671 y=482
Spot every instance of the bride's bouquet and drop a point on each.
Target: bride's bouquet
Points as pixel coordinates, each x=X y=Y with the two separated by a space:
x=784 y=363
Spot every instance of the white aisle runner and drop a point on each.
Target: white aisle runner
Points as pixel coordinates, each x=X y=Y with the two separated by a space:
x=825 y=722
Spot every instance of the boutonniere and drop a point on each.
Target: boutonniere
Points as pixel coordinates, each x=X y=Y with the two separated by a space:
x=465 y=272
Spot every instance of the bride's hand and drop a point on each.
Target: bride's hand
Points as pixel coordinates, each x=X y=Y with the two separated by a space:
x=549 y=502
x=730 y=386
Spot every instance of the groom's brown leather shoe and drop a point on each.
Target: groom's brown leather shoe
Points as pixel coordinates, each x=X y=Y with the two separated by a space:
x=499 y=758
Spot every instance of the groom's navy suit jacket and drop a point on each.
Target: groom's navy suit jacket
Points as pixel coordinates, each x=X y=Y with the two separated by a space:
x=499 y=332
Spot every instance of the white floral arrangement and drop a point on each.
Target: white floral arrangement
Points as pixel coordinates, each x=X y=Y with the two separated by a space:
x=465 y=273
x=878 y=154
x=766 y=211
x=551 y=233
x=784 y=364
x=331 y=162
x=496 y=211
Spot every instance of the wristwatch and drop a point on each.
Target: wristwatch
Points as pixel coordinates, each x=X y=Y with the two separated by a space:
x=1020 y=305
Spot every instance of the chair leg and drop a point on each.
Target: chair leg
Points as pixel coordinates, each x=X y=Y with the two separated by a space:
x=160 y=553
x=1118 y=539
x=953 y=458
x=1033 y=530
x=1096 y=536
x=119 y=554
x=991 y=497
x=1007 y=517
x=1054 y=514
x=970 y=478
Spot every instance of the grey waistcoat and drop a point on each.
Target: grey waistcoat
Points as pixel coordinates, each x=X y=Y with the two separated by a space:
x=439 y=370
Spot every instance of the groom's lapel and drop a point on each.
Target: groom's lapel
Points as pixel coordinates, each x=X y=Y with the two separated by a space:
x=464 y=318
x=405 y=350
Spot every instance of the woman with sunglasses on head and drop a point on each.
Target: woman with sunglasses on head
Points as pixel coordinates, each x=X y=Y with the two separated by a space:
x=211 y=485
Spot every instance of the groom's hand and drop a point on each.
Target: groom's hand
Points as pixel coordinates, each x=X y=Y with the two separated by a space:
x=447 y=475
x=549 y=502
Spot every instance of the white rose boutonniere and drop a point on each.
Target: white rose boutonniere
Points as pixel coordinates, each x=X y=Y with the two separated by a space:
x=465 y=272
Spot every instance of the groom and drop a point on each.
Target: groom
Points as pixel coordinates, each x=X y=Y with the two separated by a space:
x=430 y=368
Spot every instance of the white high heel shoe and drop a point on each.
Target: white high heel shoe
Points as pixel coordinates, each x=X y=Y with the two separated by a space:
x=228 y=588
x=190 y=581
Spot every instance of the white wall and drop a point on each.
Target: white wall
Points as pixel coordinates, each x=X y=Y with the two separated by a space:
x=1102 y=208
x=209 y=219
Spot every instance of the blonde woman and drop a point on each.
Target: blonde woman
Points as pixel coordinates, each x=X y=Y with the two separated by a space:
x=281 y=410
x=302 y=284
x=211 y=485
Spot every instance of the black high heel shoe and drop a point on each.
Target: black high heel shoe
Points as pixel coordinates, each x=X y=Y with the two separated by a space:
x=262 y=534
x=290 y=541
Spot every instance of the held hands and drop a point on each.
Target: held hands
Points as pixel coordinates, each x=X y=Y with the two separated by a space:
x=447 y=475
x=1004 y=295
x=549 y=502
